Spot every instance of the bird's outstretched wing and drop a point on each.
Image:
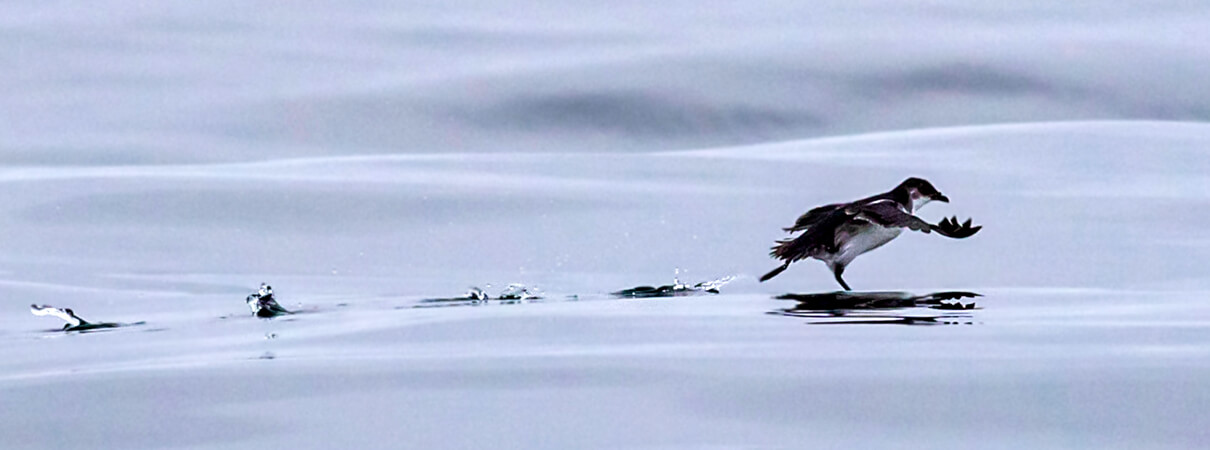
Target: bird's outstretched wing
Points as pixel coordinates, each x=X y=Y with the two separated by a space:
x=47 y=310
x=812 y=217
x=888 y=213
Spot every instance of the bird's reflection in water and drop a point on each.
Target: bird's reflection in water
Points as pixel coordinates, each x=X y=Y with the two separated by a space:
x=880 y=308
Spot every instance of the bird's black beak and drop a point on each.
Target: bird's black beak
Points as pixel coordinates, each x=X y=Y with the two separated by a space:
x=941 y=198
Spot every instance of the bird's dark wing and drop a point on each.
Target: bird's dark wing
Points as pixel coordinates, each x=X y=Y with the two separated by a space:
x=818 y=214
x=819 y=237
x=813 y=217
x=888 y=213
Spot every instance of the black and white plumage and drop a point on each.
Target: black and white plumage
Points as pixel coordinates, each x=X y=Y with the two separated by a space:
x=838 y=233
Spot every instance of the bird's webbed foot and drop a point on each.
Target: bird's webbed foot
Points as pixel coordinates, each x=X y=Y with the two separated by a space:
x=949 y=227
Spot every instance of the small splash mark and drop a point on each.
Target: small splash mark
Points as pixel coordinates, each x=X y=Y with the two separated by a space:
x=473 y=297
x=75 y=324
x=517 y=292
x=512 y=294
x=713 y=286
x=956 y=306
x=263 y=304
x=477 y=295
x=677 y=288
x=66 y=314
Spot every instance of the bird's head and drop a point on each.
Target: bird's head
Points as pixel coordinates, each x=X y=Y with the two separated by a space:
x=920 y=192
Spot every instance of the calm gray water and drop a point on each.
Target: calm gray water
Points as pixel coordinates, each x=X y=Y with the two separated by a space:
x=160 y=161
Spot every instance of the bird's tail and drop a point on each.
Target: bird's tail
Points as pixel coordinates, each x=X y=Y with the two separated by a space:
x=775 y=272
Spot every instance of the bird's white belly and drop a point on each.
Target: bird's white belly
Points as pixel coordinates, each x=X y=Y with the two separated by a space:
x=869 y=238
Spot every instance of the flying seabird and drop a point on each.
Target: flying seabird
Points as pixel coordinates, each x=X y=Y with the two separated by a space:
x=838 y=233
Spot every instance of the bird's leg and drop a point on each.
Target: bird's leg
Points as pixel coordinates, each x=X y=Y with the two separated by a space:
x=838 y=270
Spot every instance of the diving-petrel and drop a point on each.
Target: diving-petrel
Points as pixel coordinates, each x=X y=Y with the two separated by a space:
x=838 y=233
